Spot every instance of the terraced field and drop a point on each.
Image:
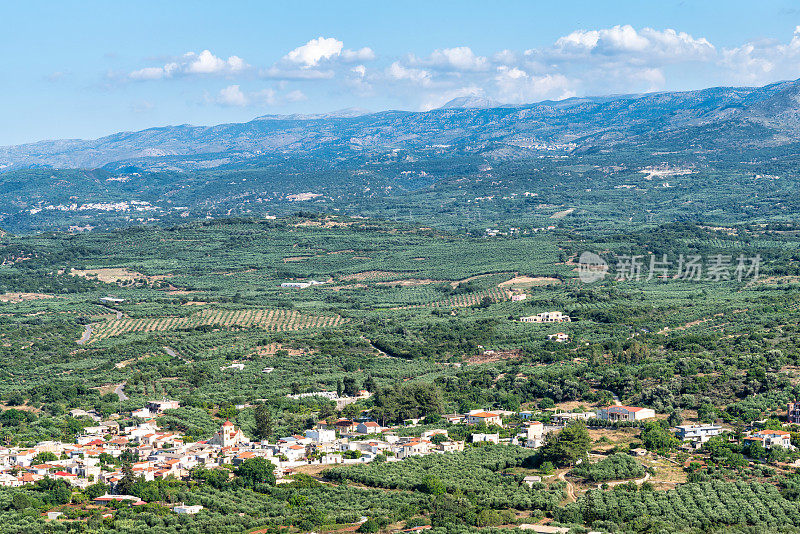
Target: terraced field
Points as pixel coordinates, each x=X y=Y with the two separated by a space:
x=271 y=320
x=496 y=294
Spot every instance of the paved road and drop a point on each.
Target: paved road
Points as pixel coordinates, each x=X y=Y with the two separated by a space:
x=87 y=333
x=616 y=398
x=120 y=393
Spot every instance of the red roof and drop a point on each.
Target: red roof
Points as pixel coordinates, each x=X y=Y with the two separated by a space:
x=626 y=408
x=484 y=414
x=227 y=423
x=772 y=432
x=372 y=424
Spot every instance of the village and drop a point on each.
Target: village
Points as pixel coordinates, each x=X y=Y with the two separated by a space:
x=152 y=454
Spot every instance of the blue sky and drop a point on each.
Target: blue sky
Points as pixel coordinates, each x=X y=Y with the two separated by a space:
x=89 y=68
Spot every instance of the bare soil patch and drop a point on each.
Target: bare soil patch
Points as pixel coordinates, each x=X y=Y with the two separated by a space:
x=19 y=297
x=530 y=281
x=409 y=282
x=494 y=356
x=562 y=214
x=117 y=275
x=370 y=275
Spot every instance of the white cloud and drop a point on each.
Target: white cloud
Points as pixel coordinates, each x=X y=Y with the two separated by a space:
x=208 y=63
x=763 y=61
x=514 y=85
x=311 y=53
x=191 y=63
x=459 y=58
x=397 y=71
x=666 y=44
x=360 y=70
x=232 y=96
x=362 y=54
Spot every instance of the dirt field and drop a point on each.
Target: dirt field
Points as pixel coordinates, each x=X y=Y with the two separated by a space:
x=19 y=297
x=562 y=214
x=116 y=275
x=530 y=281
x=495 y=356
x=370 y=275
x=272 y=348
x=410 y=282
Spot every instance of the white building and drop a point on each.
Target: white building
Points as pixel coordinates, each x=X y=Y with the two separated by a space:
x=772 y=438
x=187 y=509
x=479 y=438
x=228 y=436
x=625 y=413
x=483 y=417
x=697 y=433
x=321 y=435
x=547 y=317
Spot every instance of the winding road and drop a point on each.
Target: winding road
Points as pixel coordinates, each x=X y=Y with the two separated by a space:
x=87 y=333
x=120 y=393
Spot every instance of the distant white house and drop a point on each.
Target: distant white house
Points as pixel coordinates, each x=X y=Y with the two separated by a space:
x=301 y=285
x=519 y=297
x=530 y=480
x=157 y=406
x=697 y=433
x=491 y=438
x=111 y=300
x=564 y=418
x=547 y=317
x=321 y=435
x=560 y=337
x=369 y=427
x=625 y=413
x=236 y=366
x=772 y=438
x=483 y=417
x=187 y=509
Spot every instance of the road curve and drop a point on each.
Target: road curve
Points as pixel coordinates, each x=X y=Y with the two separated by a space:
x=120 y=393
x=87 y=333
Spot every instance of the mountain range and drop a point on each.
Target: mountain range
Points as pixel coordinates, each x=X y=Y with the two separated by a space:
x=721 y=118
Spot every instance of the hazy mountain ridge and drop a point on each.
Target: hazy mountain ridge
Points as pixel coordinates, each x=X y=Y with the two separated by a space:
x=586 y=122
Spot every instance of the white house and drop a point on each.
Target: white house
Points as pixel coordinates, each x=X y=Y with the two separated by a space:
x=519 y=297
x=547 y=317
x=625 y=413
x=321 y=435
x=770 y=438
x=187 y=509
x=697 y=433
x=492 y=438
x=564 y=418
x=560 y=337
x=370 y=427
x=484 y=417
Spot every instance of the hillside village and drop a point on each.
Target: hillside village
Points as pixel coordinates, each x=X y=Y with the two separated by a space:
x=100 y=452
